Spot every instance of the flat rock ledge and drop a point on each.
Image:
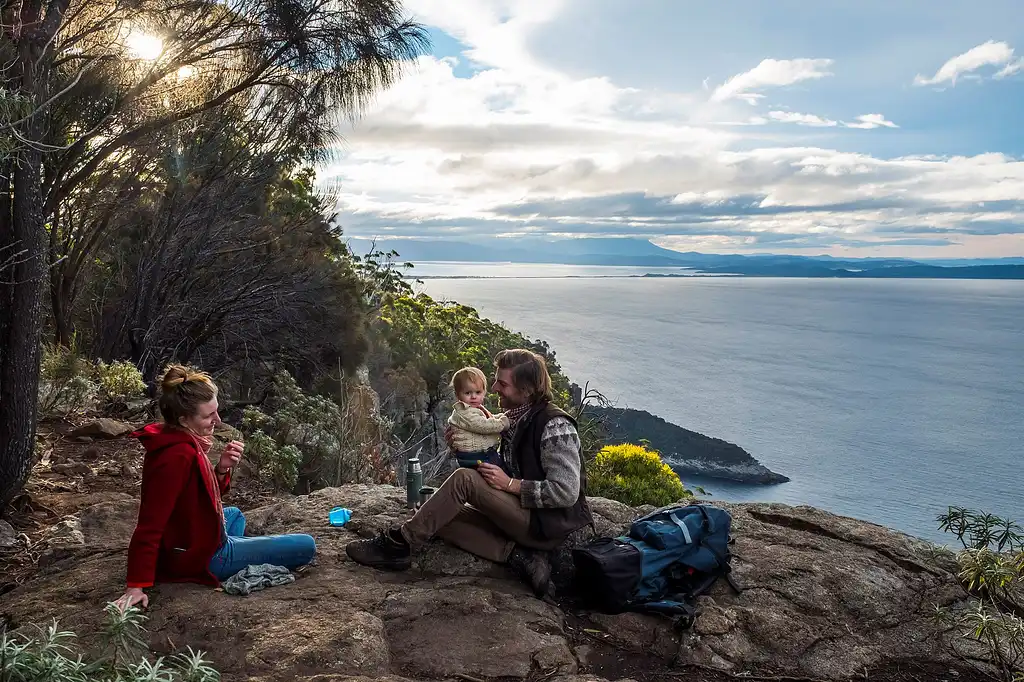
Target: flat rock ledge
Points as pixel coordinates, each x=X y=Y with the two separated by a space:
x=826 y=597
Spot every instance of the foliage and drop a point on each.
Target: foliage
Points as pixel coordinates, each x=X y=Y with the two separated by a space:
x=299 y=438
x=382 y=276
x=991 y=570
x=591 y=428
x=160 y=204
x=234 y=263
x=276 y=466
x=439 y=337
x=120 y=380
x=634 y=475
x=52 y=655
x=65 y=379
x=69 y=382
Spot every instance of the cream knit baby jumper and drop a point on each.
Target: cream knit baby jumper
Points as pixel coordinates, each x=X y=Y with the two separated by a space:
x=475 y=431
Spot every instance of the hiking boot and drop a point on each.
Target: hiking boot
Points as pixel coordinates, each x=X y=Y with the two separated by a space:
x=388 y=551
x=532 y=567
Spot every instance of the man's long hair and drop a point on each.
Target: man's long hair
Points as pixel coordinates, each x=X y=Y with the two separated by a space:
x=529 y=372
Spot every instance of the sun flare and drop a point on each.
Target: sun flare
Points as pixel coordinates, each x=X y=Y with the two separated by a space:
x=144 y=46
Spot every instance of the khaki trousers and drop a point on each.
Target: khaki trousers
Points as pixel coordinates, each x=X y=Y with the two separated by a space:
x=489 y=528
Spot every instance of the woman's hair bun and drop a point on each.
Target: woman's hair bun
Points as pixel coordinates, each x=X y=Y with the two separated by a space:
x=173 y=377
x=182 y=390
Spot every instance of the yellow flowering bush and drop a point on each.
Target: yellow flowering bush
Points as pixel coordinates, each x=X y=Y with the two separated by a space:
x=120 y=380
x=634 y=475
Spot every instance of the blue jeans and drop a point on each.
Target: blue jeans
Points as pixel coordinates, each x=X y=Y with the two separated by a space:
x=237 y=552
x=471 y=459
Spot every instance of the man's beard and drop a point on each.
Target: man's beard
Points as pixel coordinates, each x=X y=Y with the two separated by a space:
x=507 y=403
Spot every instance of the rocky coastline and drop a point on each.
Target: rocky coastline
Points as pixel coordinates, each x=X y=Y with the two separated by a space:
x=689 y=453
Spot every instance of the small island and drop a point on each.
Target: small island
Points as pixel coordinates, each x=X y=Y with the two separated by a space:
x=687 y=452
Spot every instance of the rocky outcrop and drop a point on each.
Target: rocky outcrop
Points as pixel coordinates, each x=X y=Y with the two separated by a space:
x=750 y=472
x=688 y=452
x=826 y=598
x=8 y=536
x=103 y=428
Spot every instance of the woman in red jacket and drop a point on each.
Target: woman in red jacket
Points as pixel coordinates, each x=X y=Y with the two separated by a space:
x=183 y=533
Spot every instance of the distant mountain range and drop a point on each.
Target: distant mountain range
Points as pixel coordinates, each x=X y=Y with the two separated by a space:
x=640 y=253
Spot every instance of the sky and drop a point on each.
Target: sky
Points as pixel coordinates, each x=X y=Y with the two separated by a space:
x=854 y=128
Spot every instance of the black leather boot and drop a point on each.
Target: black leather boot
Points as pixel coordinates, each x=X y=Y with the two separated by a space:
x=533 y=567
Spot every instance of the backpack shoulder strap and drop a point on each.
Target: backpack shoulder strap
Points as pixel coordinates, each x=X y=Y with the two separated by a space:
x=674 y=516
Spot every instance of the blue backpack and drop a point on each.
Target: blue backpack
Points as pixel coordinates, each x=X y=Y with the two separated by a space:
x=668 y=559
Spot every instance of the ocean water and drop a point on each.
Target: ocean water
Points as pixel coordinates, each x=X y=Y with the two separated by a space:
x=885 y=400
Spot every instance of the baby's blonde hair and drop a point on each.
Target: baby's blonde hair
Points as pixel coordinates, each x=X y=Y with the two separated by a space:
x=468 y=376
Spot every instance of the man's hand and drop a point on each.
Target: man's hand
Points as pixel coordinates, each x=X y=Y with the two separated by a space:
x=449 y=437
x=131 y=597
x=228 y=460
x=496 y=477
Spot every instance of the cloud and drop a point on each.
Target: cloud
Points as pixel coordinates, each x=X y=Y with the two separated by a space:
x=495 y=30
x=802 y=119
x=871 y=121
x=771 y=73
x=1013 y=67
x=863 y=122
x=760 y=195
x=521 y=147
x=990 y=53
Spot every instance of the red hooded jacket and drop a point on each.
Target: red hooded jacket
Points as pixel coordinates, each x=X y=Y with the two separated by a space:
x=180 y=522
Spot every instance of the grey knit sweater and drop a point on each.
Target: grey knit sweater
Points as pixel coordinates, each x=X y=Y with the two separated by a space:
x=560 y=457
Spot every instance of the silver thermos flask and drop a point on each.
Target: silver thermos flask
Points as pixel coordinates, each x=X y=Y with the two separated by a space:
x=413 y=482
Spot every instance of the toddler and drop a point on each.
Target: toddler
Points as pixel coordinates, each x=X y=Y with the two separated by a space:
x=476 y=432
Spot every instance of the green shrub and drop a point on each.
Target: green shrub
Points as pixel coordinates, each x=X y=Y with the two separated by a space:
x=65 y=380
x=295 y=427
x=120 y=380
x=52 y=655
x=991 y=571
x=276 y=466
x=313 y=440
x=634 y=475
x=68 y=382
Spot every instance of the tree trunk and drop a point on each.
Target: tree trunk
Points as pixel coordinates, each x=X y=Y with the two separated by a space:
x=20 y=343
x=23 y=232
x=60 y=303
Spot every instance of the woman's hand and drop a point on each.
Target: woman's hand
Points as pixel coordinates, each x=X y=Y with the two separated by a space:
x=131 y=597
x=228 y=460
x=497 y=478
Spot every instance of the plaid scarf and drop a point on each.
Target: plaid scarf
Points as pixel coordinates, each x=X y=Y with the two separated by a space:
x=205 y=444
x=514 y=416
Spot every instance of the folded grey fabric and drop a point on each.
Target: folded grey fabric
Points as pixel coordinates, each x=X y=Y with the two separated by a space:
x=257 y=577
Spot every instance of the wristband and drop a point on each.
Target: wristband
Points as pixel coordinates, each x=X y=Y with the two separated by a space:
x=217 y=471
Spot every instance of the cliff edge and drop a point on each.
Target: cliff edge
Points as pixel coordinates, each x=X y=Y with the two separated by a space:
x=826 y=598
